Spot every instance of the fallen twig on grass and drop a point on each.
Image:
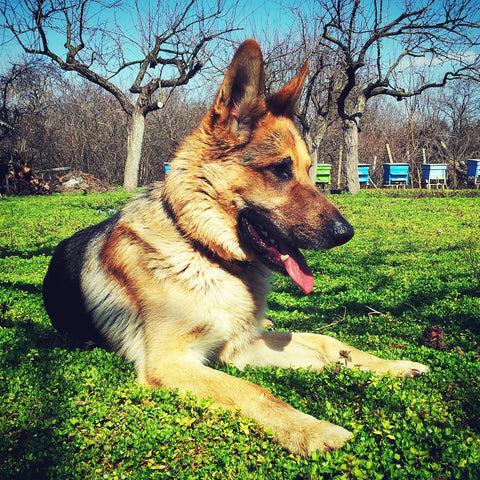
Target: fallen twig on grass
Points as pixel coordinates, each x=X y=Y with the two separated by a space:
x=336 y=322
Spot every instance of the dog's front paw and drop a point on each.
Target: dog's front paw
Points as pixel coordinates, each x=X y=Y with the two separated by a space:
x=329 y=437
x=313 y=435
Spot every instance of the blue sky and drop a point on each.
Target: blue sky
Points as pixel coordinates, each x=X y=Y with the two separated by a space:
x=251 y=13
x=267 y=15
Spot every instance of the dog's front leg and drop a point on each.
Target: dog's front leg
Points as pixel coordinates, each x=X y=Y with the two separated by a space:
x=283 y=349
x=296 y=431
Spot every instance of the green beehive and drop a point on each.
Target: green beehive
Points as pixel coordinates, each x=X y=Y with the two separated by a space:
x=324 y=173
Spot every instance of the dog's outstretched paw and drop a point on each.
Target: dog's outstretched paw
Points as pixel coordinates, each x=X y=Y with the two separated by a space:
x=332 y=437
x=318 y=435
x=406 y=368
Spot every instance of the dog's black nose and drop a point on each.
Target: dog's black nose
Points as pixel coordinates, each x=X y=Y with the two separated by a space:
x=342 y=231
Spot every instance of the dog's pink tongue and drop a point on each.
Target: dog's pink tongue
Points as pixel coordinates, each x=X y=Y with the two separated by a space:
x=298 y=269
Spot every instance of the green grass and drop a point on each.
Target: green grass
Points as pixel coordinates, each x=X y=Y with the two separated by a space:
x=68 y=413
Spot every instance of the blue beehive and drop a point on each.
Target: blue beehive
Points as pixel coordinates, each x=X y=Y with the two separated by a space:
x=434 y=174
x=473 y=171
x=364 y=173
x=395 y=174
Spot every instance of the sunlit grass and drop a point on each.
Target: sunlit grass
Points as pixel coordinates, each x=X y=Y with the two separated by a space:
x=414 y=262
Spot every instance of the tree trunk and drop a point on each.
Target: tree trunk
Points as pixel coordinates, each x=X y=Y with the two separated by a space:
x=312 y=149
x=350 y=136
x=136 y=129
x=313 y=143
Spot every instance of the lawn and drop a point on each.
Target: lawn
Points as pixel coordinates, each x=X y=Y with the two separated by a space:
x=414 y=263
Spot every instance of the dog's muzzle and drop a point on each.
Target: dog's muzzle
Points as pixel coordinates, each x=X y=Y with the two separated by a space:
x=342 y=232
x=281 y=252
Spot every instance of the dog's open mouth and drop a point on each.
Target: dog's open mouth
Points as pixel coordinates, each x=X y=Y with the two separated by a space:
x=276 y=253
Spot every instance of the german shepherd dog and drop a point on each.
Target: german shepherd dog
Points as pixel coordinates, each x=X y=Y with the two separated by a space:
x=178 y=279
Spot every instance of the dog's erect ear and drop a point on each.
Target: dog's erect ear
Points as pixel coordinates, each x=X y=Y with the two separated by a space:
x=241 y=98
x=283 y=102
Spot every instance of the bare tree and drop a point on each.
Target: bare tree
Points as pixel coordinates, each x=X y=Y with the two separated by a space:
x=316 y=112
x=85 y=131
x=166 y=128
x=376 y=42
x=458 y=106
x=285 y=52
x=166 y=48
x=27 y=94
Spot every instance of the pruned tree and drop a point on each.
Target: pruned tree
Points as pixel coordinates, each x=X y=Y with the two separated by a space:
x=378 y=41
x=157 y=46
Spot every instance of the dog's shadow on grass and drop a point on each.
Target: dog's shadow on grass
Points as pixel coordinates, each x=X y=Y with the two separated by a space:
x=36 y=390
x=34 y=397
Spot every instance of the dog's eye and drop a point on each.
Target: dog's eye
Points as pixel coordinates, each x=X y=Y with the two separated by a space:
x=282 y=170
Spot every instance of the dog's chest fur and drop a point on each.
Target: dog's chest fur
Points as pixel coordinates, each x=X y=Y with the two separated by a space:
x=170 y=263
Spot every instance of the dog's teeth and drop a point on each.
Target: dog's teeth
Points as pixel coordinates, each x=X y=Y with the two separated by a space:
x=284 y=258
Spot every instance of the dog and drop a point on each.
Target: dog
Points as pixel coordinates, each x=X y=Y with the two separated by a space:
x=178 y=279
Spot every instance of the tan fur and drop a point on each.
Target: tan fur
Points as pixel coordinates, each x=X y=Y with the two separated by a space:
x=172 y=286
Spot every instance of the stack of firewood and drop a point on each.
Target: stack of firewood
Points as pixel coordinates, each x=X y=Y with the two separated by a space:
x=20 y=180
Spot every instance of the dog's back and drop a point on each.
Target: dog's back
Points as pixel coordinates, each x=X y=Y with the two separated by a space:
x=62 y=287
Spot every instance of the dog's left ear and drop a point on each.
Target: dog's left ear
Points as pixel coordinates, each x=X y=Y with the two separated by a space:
x=240 y=101
x=283 y=102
